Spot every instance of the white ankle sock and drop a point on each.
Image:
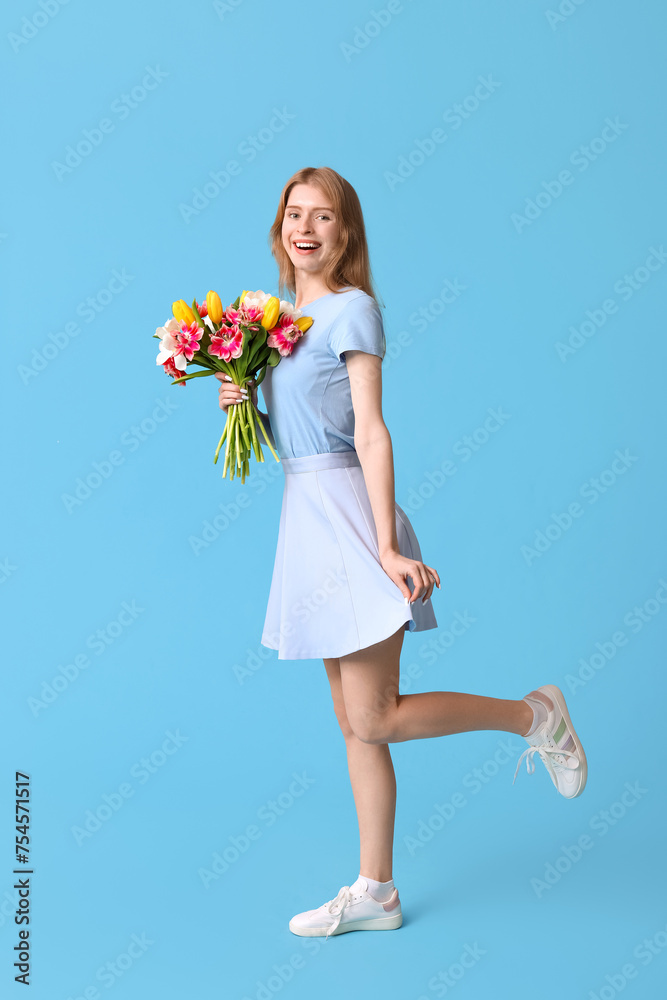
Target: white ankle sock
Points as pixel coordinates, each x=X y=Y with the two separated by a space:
x=541 y=706
x=378 y=890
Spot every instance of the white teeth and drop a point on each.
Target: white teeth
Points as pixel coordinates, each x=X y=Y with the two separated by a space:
x=306 y=246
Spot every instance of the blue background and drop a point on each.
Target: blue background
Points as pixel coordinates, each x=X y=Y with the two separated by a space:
x=360 y=89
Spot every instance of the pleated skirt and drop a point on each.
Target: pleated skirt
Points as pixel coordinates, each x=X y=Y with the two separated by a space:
x=329 y=594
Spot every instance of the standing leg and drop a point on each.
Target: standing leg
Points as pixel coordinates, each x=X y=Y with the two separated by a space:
x=373 y=786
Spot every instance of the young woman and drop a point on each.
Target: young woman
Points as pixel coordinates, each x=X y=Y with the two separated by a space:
x=348 y=578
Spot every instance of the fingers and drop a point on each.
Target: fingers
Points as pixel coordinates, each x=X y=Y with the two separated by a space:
x=435 y=579
x=228 y=397
x=420 y=581
x=429 y=592
x=424 y=578
x=228 y=392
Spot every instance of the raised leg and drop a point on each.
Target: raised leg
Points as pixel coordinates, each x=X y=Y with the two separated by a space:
x=377 y=713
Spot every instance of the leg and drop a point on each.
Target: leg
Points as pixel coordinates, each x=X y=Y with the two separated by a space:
x=378 y=714
x=373 y=786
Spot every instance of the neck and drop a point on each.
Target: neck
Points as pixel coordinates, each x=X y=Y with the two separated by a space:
x=308 y=287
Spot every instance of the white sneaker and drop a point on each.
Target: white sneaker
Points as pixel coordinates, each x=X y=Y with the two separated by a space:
x=353 y=909
x=558 y=746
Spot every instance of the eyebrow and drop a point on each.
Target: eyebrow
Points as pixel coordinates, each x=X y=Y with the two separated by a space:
x=319 y=209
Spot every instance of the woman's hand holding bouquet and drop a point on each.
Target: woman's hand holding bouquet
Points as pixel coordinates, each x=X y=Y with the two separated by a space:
x=241 y=341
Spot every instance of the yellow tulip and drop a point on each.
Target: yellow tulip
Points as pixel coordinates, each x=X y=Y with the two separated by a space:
x=214 y=306
x=304 y=323
x=182 y=311
x=243 y=295
x=271 y=313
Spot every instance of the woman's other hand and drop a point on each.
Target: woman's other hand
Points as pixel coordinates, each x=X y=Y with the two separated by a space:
x=398 y=567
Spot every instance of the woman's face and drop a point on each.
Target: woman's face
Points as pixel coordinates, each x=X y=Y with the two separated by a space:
x=309 y=220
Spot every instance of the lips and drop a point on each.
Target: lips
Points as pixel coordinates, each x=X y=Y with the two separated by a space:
x=306 y=247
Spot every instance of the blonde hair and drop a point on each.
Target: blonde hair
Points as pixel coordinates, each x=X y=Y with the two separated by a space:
x=350 y=263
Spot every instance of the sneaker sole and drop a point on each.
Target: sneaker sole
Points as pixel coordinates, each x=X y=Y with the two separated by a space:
x=369 y=924
x=558 y=698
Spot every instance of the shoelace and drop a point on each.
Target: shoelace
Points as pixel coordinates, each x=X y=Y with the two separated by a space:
x=544 y=751
x=337 y=905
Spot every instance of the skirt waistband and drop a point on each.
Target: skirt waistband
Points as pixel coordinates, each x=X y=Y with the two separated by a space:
x=323 y=460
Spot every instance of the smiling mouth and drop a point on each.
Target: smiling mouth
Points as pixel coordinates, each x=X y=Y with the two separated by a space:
x=306 y=246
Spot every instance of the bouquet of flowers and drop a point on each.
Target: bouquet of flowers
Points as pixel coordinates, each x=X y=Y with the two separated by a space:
x=255 y=331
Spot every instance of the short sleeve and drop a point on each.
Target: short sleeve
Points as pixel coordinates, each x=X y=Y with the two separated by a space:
x=359 y=327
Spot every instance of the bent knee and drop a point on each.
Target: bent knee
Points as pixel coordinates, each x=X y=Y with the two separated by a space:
x=345 y=728
x=343 y=721
x=372 y=728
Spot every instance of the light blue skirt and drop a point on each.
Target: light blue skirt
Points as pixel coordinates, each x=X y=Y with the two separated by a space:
x=329 y=594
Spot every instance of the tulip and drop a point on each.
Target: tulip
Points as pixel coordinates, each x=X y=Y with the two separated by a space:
x=304 y=323
x=214 y=306
x=183 y=312
x=271 y=313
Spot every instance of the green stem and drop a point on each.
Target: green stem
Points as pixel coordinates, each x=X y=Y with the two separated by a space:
x=263 y=428
x=222 y=438
x=238 y=447
x=253 y=430
x=230 y=442
x=243 y=419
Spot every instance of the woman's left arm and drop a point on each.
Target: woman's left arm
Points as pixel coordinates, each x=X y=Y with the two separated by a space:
x=372 y=443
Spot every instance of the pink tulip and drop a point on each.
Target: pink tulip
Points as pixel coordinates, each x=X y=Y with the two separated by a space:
x=284 y=336
x=227 y=343
x=188 y=339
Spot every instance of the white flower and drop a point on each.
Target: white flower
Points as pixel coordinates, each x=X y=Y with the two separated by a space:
x=290 y=310
x=169 y=344
x=258 y=299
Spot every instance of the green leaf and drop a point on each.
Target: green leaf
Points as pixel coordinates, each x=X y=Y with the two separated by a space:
x=200 y=321
x=184 y=378
x=205 y=360
x=205 y=341
x=259 y=340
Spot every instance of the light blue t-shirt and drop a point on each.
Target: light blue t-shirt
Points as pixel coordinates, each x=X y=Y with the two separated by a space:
x=307 y=394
